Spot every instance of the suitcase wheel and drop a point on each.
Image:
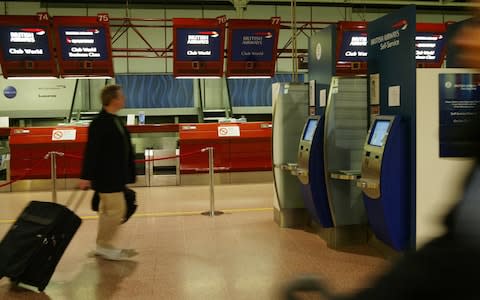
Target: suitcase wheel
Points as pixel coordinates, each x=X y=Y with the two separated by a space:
x=15 y=282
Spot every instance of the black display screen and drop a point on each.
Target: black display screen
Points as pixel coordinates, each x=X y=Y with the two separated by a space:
x=354 y=46
x=21 y=43
x=83 y=43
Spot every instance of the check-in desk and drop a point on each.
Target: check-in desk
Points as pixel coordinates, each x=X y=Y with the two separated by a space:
x=384 y=181
x=4 y=157
x=28 y=147
x=154 y=141
x=242 y=151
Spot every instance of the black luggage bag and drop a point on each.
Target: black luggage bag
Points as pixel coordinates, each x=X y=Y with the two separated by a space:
x=32 y=248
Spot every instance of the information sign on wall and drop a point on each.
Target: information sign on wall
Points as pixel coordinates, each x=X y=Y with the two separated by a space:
x=459 y=105
x=252 y=47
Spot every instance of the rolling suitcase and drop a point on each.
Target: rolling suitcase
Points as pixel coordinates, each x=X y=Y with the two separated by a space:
x=32 y=248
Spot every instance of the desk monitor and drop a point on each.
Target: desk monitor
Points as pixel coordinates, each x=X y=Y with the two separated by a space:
x=309 y=130
x=379 y=133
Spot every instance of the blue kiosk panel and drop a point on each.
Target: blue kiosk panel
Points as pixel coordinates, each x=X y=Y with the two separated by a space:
x=311 y=161
x=385 y=183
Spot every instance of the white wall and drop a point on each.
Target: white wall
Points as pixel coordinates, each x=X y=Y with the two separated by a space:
x=439 y=180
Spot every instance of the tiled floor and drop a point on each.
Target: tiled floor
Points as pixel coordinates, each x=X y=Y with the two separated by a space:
x=240 y=255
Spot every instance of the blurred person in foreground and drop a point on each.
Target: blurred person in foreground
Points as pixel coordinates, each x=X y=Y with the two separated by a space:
x=448 y=266
x=107 y=168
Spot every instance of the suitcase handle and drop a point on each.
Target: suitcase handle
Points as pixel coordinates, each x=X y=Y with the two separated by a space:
x=76 y=199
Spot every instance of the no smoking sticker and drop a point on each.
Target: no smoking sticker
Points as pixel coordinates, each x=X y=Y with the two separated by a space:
x=64 y=135
x=228 y=131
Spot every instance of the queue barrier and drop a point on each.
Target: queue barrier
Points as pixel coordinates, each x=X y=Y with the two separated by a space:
x=54 y=155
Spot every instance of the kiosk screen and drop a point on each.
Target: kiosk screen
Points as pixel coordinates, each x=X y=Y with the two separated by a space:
x=379 y=132
x=310 y=129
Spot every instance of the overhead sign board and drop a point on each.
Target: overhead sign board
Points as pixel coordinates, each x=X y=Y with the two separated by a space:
x=199 y=46
x=430 y=44
x=351 y=48
x=84 y=46
x=252 y=47
x=354 y=46
x=26 y=46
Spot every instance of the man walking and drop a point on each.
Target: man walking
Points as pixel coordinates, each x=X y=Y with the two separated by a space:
x=108 y=166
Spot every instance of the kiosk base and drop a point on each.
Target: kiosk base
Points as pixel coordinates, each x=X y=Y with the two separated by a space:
x=290 y=217
x=342 y=236
x=386 y=251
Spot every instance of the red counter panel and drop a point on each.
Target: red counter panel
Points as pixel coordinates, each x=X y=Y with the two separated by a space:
x=28 y=147
x=250 y=151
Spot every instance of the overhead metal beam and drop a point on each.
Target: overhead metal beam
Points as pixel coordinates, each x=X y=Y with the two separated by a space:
x=385 y=3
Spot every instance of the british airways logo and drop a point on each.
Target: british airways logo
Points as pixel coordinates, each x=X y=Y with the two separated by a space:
x=402 y=25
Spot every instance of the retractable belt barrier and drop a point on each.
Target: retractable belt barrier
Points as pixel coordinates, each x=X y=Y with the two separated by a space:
x=53 y=155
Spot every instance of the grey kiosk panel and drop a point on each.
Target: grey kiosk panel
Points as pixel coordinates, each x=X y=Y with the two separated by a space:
x=346 y=126
x=290 y=109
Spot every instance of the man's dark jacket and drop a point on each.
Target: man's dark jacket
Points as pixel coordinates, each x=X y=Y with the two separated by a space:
x=109 y=157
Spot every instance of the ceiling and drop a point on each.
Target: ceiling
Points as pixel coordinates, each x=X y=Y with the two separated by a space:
x=434 y=5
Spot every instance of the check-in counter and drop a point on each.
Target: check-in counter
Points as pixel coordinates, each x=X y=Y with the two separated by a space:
x=243 y=147
x=29 y=146
x=238 y=147
x=4 y=156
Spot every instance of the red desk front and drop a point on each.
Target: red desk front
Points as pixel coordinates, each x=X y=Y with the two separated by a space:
x=238 y=147
x=28 y=147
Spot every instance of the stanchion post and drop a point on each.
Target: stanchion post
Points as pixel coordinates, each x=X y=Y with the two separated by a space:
x=211 y=173
x=53 y=170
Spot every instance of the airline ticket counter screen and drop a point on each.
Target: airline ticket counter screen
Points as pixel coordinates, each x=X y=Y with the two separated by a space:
x=373 y=156
x=305 y=148
x=379 y=133
x=310 y=128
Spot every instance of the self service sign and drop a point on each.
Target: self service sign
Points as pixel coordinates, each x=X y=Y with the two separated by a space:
x=25 y=46
x=84 y=46
x=198 y=47
x=252 y=47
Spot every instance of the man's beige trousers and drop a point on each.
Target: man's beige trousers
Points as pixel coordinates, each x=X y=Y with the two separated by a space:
x=112 y=211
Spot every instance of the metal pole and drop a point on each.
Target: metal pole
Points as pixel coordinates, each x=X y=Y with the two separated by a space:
x=212 y=181
x=53 y=169
x=211 y=172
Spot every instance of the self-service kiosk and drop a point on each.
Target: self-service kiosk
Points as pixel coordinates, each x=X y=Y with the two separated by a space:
x=290 y=108
x=384 y=181
x=329 y=161
x=311 y=171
